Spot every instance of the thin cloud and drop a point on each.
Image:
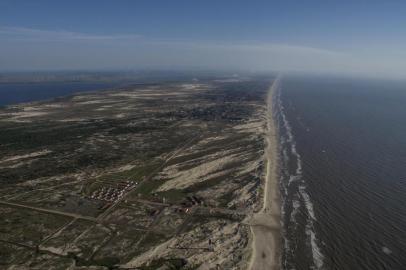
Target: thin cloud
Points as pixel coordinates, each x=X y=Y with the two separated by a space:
x=30 y=48
x=40 y=34
x=264 y=47
x=31 y=33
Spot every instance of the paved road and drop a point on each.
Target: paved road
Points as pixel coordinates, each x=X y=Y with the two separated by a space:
x=45 y=210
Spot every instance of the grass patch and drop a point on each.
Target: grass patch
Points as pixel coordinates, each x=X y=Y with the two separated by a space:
x=173 y=195
x=135 y=174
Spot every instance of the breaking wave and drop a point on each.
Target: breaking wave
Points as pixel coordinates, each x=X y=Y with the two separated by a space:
x=294 y=196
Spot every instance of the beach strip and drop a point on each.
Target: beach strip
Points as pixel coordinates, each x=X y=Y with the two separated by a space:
x=265 y=225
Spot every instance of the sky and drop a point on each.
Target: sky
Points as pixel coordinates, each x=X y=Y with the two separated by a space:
x=357 y=37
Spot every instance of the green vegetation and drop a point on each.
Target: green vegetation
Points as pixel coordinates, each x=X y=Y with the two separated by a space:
x=74 y=155
x=172 y=195
x=27 y=227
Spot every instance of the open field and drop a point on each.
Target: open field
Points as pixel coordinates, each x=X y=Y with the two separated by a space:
x=147 y=176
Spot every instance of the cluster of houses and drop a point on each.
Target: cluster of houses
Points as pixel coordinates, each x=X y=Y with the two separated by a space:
x=112 y=194
x=192 y=201
x=188 y=204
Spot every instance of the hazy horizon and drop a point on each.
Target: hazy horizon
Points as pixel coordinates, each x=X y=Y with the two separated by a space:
x=346 y=38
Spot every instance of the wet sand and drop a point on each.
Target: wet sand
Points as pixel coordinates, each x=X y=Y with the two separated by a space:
x=265 y=225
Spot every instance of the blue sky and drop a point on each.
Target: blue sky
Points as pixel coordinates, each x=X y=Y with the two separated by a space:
x=366 y=37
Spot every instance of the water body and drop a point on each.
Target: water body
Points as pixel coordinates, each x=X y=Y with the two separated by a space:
x=343 y=173
x=13 y=93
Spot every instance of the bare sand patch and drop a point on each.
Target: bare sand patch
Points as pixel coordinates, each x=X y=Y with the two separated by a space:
x=26 y=114
x=71 y=120
x=192 y=86
x=30 y=155
x=227 y=242
x=120 y=115
x=255 y=126
x=181 y=179
x=55 y=105
x=125 y=168
x=89 y=102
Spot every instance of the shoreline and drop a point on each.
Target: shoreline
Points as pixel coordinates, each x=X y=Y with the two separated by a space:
x=265 y=225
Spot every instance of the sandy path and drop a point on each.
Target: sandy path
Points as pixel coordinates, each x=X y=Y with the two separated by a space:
x=265 y=225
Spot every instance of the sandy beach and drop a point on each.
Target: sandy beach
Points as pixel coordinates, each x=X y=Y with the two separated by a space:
x=265 y=225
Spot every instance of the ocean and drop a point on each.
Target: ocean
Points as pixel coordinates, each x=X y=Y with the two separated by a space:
x=342 y=172
x=13 y=93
